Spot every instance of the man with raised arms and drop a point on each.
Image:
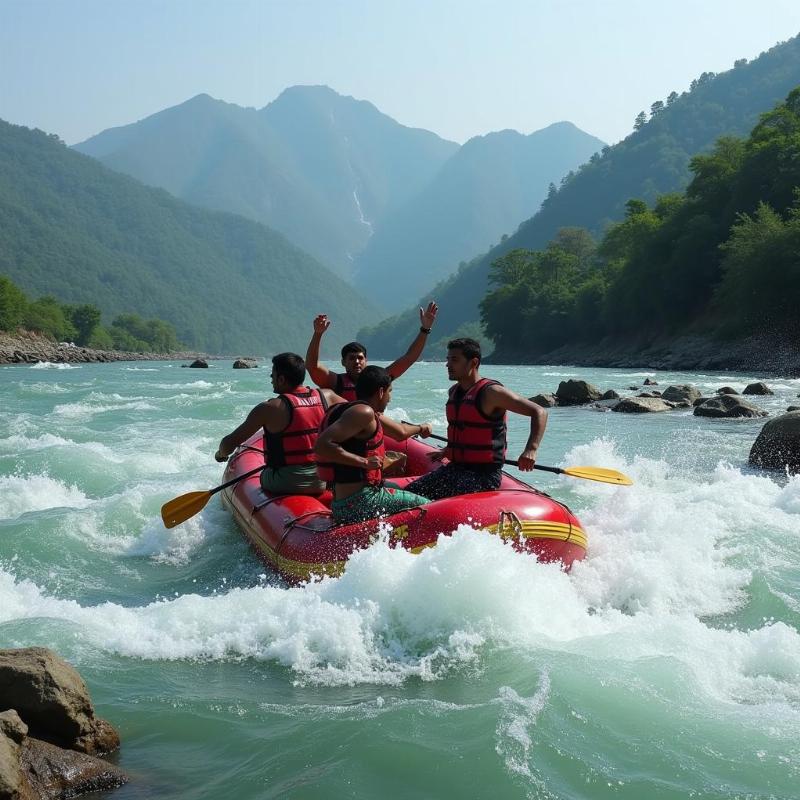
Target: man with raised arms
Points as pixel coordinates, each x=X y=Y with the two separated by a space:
x=350 y=452
x=291 y=422
x=354 y=356
x=476 y=429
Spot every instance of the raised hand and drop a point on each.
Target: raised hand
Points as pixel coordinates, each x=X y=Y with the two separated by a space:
x=428 y=316
x=321 y=323
x=425 y=430
x=374 y=462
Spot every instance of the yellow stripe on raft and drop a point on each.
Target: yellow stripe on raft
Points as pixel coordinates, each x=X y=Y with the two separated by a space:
x=306 y=570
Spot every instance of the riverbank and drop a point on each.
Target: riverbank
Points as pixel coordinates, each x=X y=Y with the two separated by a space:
x=762 y=354
x=25 y=347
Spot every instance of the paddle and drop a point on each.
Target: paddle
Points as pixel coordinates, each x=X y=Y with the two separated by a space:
x=587 y=473
x=179 y=509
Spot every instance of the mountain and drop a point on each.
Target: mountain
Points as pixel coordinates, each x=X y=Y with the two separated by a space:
x=488 y=186
x=73 y=228
x=651 y=161
x=321 y=168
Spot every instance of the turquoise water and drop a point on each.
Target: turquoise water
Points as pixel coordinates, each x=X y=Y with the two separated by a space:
x=666 y=665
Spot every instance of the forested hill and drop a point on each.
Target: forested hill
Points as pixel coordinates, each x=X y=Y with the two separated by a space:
x=653 y=160
x=321 y=168
x=493 y=182
x=72 y=228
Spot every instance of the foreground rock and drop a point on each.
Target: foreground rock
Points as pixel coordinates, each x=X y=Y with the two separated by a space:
x=728 y=406
x=48 y=708
x=682 y=393
x=777 y=446
x=757 y=388
x=243 y=363
x=726 y=390
x=641 y=405
x=576 y=393
x=610 y=395
x=199 y=363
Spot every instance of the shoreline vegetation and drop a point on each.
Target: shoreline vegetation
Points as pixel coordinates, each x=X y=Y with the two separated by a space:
x=28 y=347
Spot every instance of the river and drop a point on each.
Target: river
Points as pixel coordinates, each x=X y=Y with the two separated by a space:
x=666 y=665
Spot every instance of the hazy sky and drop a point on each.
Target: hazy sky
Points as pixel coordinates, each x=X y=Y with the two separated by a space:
x=75 y=67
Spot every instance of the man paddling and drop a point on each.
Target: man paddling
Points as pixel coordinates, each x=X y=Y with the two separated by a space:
x=354 y=356
x=476 y=429
x=350 y=452
x=290 y=422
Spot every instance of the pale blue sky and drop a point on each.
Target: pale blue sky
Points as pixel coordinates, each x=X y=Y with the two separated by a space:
x=75 y=67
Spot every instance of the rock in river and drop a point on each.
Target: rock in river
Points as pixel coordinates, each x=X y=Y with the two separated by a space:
x=726 y=405
x=778 y=444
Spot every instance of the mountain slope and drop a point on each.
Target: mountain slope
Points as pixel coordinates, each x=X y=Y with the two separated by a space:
x=71 y=227
x=321 y=168
x=491 y=184
x=651 y=161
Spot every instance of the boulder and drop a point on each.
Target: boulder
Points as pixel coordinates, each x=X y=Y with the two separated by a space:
x=13 y=784
x=727 y=406
x=726 y=390
x=54 y=773
x=793 y=408
x=699 y=401
x=241 y=363
x=777 y=446
x=648 y=382
x=633 y=388
x=682 y=393
x=757 y=388
x=610 y=395
x=576 y=393
x=544 y=400
x=648 y=394
x=199 y=363
x=52 y=699
x=641 y=405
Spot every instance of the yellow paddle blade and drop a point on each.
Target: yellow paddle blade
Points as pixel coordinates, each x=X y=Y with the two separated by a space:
x=179 y=509
x=598 y=474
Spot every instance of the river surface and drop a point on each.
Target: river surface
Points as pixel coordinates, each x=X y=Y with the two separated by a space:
x=666 y=665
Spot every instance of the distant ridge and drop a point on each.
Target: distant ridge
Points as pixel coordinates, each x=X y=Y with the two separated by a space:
x=319 y=167
x=491 y=183
x=73 y=228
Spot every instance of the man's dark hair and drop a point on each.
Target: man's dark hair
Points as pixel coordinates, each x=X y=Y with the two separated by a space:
x=290 y=366
x=469 y=347
x=354 y=347
x=370 y=380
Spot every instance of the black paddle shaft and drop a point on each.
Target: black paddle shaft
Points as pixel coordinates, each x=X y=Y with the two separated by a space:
x=555 y=470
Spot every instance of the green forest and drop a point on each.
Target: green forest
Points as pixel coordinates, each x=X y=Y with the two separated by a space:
x=76 y=230
x=722 y=257
x=81 y=324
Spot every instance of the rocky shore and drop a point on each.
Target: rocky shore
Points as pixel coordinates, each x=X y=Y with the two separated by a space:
x=24 y=347
x=696 y=353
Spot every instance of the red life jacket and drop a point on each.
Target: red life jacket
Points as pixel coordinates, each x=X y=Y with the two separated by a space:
x=473 y=437
x=345 y=387
x=295 y=443
x=342 y=473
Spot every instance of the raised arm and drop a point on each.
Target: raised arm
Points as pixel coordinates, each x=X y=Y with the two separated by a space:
x=263 y=415
x=426 y=320
x=500 y=398
x=322 y=376
x=359 y=419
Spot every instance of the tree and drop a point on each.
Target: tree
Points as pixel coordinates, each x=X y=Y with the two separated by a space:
x=656 y=108
x=85 y=318
x=671 y=98
x=13 y=304
x=640 y=121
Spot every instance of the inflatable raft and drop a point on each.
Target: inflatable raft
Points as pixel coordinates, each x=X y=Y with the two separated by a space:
x=295 y=536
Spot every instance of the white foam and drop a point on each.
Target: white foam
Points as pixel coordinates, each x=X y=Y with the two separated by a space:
x=51 y=365
x=81 y=410
x=20 y=494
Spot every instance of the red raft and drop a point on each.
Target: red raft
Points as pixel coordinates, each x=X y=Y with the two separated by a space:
x=294 y=534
